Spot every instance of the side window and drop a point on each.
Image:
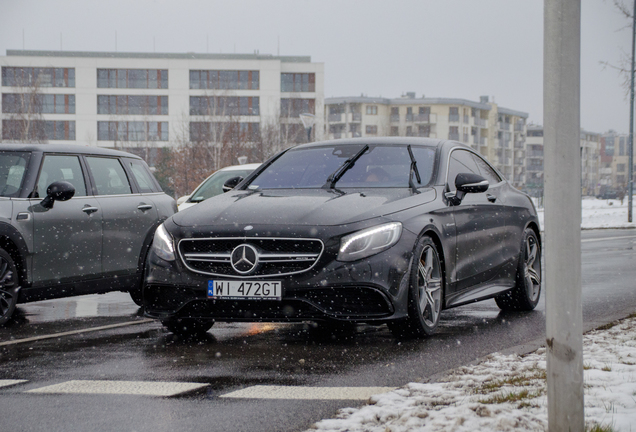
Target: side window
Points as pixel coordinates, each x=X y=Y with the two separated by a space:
x=61 y=168
x=486 y=171
x=461 y=161
x=142 y=175
x=110 y=177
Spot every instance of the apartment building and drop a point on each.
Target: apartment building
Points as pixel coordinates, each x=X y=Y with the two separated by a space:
x=591 y=166
x=615 y=160
x=496 y=132
x=116 y=99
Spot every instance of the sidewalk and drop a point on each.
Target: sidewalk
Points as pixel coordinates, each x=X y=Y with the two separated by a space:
x=508 y=392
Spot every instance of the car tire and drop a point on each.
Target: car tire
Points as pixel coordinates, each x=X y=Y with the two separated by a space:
x=137 y=293
x=426 y=293
x=8 y=286
x=525 y=295
x=187 y=327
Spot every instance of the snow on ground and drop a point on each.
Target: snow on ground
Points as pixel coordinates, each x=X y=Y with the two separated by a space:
x=506 y=393
x=596 y=213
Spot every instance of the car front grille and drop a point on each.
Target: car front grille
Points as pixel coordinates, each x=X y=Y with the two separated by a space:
x=276 y=256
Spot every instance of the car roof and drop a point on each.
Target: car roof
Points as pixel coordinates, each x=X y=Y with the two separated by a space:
x=251 y=166
x=429 y=142
x=66 y=148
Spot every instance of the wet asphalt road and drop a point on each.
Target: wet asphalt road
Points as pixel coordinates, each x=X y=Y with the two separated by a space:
x=237 y=356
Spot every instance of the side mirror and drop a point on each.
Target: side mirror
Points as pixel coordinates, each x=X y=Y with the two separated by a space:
x=182 y=199
x=231 y=183
x=471 y=183
x=57 y=191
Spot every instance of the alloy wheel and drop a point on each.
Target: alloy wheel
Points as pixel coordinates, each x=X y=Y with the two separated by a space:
x=532 y=268
x=429 y=286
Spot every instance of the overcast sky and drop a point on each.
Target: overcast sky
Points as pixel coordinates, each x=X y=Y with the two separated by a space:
x=439 y=48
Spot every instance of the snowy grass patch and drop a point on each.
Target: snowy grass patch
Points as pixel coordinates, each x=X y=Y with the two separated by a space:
x=508 y=393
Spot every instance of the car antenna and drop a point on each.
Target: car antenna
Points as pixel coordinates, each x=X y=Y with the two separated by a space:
x=348 y=164
x=413 y=170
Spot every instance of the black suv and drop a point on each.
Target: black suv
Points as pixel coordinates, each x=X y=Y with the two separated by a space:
x=74 y=220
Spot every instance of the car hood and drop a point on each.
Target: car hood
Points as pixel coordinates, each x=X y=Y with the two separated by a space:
x=313 y=207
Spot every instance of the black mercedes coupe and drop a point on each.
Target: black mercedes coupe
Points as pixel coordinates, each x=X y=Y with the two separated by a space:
x=386 y=230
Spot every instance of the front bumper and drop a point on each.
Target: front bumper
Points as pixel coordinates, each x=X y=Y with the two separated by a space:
x=374 y=289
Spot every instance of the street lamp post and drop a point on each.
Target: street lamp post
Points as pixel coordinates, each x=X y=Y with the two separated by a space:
x=308 y=122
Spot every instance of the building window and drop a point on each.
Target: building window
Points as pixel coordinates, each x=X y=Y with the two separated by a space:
x=224 y=131
x=132 y=131
x=132 y=105
x=224 y=79
x=132 y=78
x=372 y=110
x=37 y=77
x=409 y=131
x=224 y=105
x=371 y=130
x=535 y=133
x=395 y=115
x=453 y=114
x=424 y=130
x=453 y=133
x=19 y=103
x=38 y=130
x=295 y=107
x=394 y=131
x=620 y=167
x=298 y=82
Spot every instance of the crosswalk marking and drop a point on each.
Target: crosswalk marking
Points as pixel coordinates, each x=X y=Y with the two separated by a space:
x=10 y=382
x=310 y=393
x=140 y=388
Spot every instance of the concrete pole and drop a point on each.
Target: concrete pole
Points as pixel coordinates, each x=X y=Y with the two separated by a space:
x=564 y=318
x=630 y=171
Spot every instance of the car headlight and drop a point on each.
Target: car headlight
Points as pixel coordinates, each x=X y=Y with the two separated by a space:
x=162 y=244
x=369 y=241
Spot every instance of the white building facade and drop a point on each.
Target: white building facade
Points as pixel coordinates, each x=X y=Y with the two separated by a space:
x=115 y=99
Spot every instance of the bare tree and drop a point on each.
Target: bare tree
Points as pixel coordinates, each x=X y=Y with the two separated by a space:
x=24 y=122
x=624 y=63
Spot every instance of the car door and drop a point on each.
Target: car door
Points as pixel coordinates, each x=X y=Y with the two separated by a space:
x=480 y=227
x=127 y=215
x=67 y=238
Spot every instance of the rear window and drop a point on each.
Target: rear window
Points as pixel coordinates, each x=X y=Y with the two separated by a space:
x=12 y=168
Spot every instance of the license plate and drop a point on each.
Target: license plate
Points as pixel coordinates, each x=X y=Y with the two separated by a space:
x=270 y=290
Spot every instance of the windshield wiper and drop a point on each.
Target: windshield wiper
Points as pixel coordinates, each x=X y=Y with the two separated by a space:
x=413 y=170
x=348 y=164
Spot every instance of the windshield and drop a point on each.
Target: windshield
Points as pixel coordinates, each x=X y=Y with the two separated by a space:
x=12 y=169
x=380 y=166
x=213 y=186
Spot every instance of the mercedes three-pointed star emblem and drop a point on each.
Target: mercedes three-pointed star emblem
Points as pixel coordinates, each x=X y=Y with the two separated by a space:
x=244 y=259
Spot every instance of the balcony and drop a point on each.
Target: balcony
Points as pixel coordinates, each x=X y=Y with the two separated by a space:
x=356 y=117
x=335 y=118
x=425 y=118
x=453 y=117
x=519 y=128
x=466 y=119
x=520 y=144
x=534 y=153
x=519 y=161
x=504 y=126
x=479 y=140
x=395 y=118
x=410 y=117
x=480 y=122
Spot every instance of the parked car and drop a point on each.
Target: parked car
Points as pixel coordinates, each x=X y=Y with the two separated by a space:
x=385 y=230
x=213 y=185
x=74 y=220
